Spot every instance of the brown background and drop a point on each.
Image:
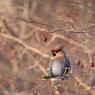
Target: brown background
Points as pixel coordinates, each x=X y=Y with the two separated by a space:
x=24 y=24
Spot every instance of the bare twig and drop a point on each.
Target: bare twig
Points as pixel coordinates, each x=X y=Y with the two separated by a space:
x=8 y=28
x=89 y=27
x=84 y=85
x=70 y=40
x=31 y=21
x=23 y=44
x=75 y=43
x=75 y=30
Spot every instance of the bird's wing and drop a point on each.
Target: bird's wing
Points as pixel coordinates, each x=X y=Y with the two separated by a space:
x=67 y=63
x=49 y=69
x=66 y=67
x=50 y=65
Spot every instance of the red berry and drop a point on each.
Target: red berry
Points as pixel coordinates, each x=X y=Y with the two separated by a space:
x=51 y=32
x=44 y=38
x=92 y=64
x=81 y=65
x=13 y=53
x=78 y=62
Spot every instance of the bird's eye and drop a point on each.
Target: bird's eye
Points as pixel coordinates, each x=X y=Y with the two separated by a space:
x=53 y=53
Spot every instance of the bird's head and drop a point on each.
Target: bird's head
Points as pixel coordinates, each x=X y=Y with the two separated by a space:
x=57 y=52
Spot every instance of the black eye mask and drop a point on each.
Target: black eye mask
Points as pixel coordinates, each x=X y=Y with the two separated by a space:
x=58 y=50
x=53 y=53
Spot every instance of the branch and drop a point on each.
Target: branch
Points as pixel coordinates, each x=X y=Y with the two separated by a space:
x=87 y=27
x=74 y=30
x=74 y=42
x=84 y=85
x=65 y=38
x=23 y=44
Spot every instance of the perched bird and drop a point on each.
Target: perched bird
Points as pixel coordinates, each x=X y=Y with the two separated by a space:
x=59 y=65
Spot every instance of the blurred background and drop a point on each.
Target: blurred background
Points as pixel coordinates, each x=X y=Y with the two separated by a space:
x=29 y=29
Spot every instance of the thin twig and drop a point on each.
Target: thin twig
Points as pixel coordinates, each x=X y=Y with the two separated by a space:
x=70 y=40
x=31 y=21
x=75 y=30
x=8 y=28
x=25 y=45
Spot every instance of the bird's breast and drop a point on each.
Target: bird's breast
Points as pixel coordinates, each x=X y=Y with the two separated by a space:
x=57 y=68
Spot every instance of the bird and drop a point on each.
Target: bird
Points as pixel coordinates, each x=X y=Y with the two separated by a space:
x=59 y=65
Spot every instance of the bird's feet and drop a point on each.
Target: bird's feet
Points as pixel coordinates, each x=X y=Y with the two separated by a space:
x=46 y=77
x=64 y=77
